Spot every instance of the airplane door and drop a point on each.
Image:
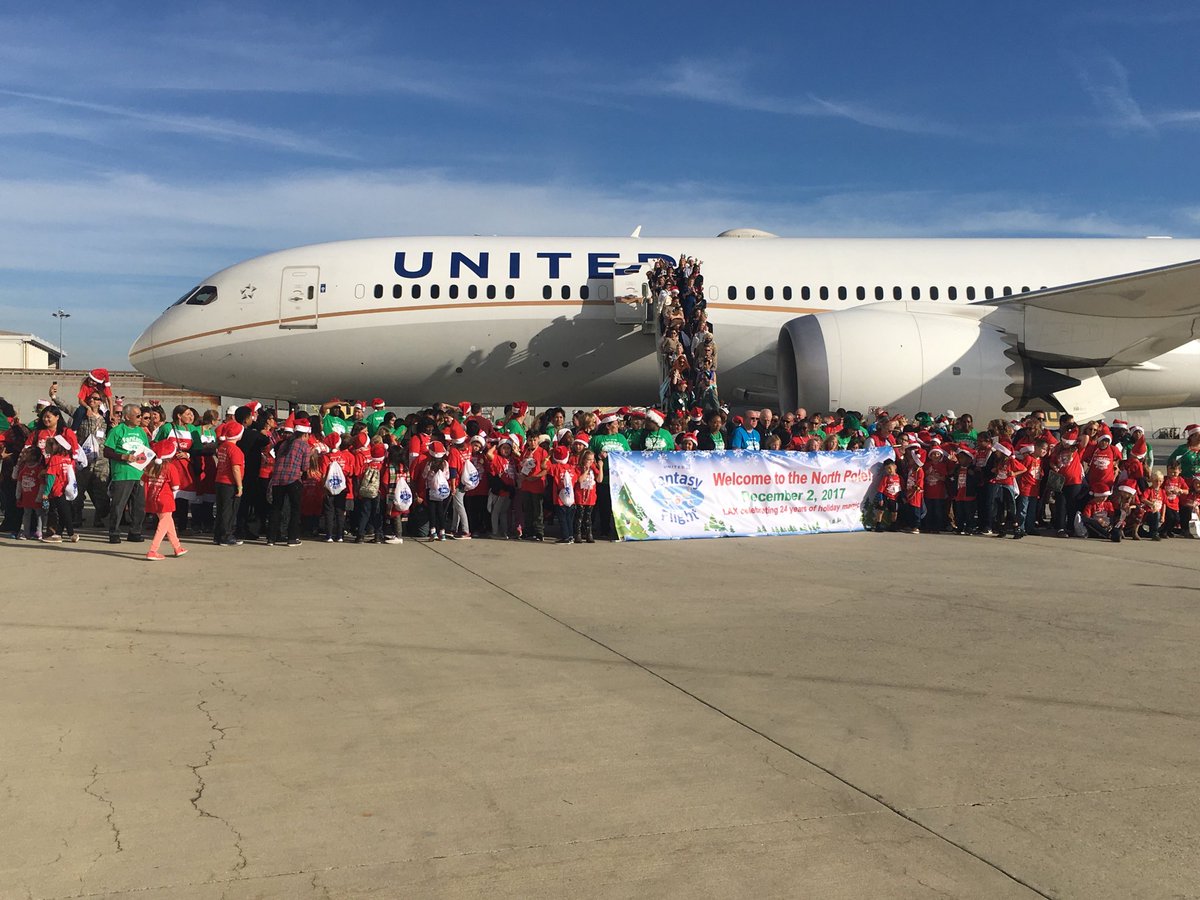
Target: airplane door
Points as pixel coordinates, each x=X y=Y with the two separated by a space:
x=298 y=297
x=630 y=294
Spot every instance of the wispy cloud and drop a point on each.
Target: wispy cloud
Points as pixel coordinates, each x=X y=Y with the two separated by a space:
x=203 y=126
x=725 y=86
x=1107 y=81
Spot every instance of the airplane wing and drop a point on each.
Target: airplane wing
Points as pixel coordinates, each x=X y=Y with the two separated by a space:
x=1109 y=323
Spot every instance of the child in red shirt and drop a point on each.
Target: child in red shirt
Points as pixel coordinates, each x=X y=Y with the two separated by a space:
x=1154 y=504
x=563 y=476
x=887 y=496
x=1174 y=487
x=60 y=469
x=476 y=498
x=231 y=466
x=591 y=475
x=161 y=481
x=1029 y=487
x=30 y=475
x=1098 y=514
x=914 y=490
x=937 y=493
x=965 y=482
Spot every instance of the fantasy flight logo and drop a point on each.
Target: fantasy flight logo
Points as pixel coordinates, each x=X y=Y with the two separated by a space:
x=678 y=495
x=481 y=264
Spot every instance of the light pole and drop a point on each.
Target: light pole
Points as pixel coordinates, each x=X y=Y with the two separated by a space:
x=60 y=315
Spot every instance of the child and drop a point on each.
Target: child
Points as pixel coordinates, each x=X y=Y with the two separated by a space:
x=562 y=477
x=914 y=489
x=367 y=504
x=30 y=473
x=1174 y=487
x=965 y=490
x=502 y=485
x=887 y=496
x=160 y=481
x=393 y=514
x=1124 y=512
x=476 y=499
x=937 y=477
x=437 y=483
x=1098 y=514
x=59 y=470
x=1029 y=486
x=1153 y=503
x=532 y=487
x=590 y=475
x=1004 y=489
x=333 y=509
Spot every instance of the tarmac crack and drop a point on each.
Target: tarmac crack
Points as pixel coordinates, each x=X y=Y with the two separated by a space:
x=201 y=785
x=112 y=809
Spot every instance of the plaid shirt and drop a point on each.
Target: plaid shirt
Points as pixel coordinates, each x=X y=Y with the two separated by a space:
x=292 y=464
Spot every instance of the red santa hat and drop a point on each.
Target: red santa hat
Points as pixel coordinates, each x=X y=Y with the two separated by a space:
x=1139 y=447
x=379 y=451
x=510 y=440
x=359 y=404
x=1104 y=435
x=691 y=437
x=289 y=423
x=62 y=441
x=1129 y=487
x=916 y=454
x=437 y=450
x=737 y=421
x=95 y=380
x=333 y=440
x=230 y=431
x=465 y=407
x=378 y=403
x=1137 y=429
x=656 y=417
x=303 y=427
x=479 y=439
x=1190 y=430
x=581 y=438
x=1070 y=437
x=1098 y=490
x=255 y=408
x=924 y=436
x=1120 y=423
x=936 y=448
x=520 y=408
x=1003 y=448
x=561 y=454
x=164 y=450
x=1025 y=449
x=458 y=434
x=697 y=414
x=361 y=440
x=609 y=418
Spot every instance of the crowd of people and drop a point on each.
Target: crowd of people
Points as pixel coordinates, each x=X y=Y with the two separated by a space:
x=688 y=349
x=355 y=472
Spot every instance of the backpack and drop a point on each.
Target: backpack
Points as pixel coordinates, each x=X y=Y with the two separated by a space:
x=368 y=483
x=335 y=478
x=438 y=483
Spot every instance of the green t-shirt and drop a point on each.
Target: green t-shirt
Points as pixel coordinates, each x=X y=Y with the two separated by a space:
x=330 y=422
x=374 y=420
x=718 y=440
x=126 y=439
x=658 y=439
x=512 y=426
x=1189 y=460
x=961 y=436
x=608 y=443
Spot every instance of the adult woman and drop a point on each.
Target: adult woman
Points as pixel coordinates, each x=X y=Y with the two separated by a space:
x=714 y=437
x=91 y=428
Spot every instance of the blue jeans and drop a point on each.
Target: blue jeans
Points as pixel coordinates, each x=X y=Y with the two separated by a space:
x=1027 y=513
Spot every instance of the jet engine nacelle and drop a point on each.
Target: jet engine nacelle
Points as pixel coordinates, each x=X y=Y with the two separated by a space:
x=903 y=360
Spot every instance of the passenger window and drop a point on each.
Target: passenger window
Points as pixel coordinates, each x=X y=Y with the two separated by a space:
x=824 y=292
x=732 y=292
x=787 y=292
x=805 y=293
x=842 y=292
x=952 y=292
x=897 y=292
x=933 y=293
x=971 y=292
x=379 y=292
x=416 y=292
x=988 y=292
x=435 y=291
x=749 y=293
x=566 y=292
x=509 y=291
x=547 y=292
x=861 y=293
x=584 y=293
x=878 y=292
x=452 y=291
x=768 y=293
x=1007 y=291
x=491 y=292
x=1025 y=289
x=472 y=291
x=397 y=290
x=916 y=293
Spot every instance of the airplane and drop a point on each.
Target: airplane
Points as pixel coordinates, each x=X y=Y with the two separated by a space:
x=992 y=326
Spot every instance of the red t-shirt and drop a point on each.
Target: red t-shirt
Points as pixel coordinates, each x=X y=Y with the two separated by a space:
x=1069 y=465
x=586 y=485
x=1174 y=487
x=914 y=486
x=560 y=474
x=1102 y=464
x=937 y=476
x=1029 y=482
x=58 y=465
x=889 y=486
x=531 y=462
x=1006 y=471
x=502 y=474
x=229 y=455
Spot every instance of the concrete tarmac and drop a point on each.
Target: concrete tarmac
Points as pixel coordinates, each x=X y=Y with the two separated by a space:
x=833 y=716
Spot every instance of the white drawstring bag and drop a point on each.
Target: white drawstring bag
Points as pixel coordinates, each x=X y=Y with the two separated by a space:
x=1080 y=529
x=71 y=490
x=470 y=477
x=439 y=485
x=1193 y=526
x=566 y=493
x=402 y=497
x=335 y=478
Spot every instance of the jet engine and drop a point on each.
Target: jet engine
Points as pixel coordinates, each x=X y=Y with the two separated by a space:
x=890 y=355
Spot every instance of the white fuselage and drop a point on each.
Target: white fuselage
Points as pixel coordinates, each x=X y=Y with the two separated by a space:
x=494 y=319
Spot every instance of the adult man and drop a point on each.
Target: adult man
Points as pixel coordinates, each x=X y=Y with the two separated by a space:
x=514 y=421
x=291 y=461
x=745 y=435
x=654 y=436
x=375 y=419
x=254 y=443
x=127 y=448
x=333 y=418
x=1188 y=454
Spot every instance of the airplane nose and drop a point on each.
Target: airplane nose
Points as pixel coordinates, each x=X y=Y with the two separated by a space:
x=141 y=354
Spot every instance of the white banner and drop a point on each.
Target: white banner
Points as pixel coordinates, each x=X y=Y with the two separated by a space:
x=741 y=493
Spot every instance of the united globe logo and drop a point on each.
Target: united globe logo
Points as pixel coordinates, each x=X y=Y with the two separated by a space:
x=678 y=495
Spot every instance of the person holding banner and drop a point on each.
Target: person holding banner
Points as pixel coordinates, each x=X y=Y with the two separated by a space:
x=713 y=437
x=608 y=441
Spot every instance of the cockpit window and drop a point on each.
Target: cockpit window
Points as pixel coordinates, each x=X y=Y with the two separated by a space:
x=184 y=298
x=203 y=296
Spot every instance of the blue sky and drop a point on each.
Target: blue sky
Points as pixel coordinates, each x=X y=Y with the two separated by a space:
x=145 y=147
